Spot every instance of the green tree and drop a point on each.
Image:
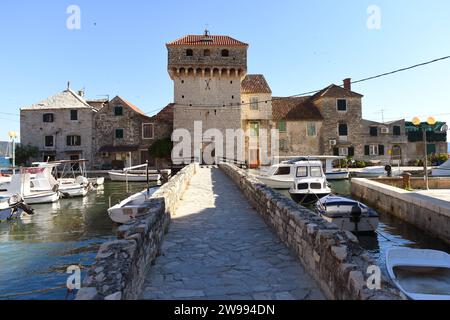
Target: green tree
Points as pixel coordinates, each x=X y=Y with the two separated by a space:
x=25 y=153
x=161 y=149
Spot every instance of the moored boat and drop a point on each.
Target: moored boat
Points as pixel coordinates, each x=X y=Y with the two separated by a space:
x=442 y=171
x=420 y=274
x=310 y=183
x=129 y=208
x=348 y=214
x=378 y=171
x=132 y=177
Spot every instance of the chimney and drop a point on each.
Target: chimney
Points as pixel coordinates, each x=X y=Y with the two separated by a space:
x=81 y=93
x=348 y=84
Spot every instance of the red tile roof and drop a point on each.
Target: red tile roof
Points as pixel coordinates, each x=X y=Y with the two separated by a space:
x=295 y=109
x=202 y=40
x=131 y=106
x=255 y=83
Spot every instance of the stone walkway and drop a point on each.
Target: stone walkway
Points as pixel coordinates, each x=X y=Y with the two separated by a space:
x=218 y=248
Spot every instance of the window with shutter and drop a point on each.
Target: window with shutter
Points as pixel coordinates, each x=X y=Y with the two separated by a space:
x=367 y=150
x=336 y=151
x=397 y=130
x=351 y=151
x=341 y=104
x=381 y=150
x=343 y=130
x=373 y=131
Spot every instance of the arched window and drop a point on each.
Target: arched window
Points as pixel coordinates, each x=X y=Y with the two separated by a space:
x=189 y=53
x=207 y=52
x=225 y=53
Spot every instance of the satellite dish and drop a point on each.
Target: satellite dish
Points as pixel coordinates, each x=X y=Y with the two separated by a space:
x=444 y=128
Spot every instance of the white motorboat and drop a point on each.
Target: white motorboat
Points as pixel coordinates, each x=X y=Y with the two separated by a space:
x=379 y=171
x=78 y=186
x=21 y=184
x=279 y=176
x=132 y=175
x=348 y=214
x=129 y=208
x=420 y=274
x=442 y=171
x=13 y=207
x=310 y=183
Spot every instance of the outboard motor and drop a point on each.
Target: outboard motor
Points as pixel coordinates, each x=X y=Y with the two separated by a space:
x=355 y=216
x=16 y=202
x=388 y=170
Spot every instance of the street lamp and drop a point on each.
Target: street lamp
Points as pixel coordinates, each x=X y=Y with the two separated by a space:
x=13 y=136
x=418 y=123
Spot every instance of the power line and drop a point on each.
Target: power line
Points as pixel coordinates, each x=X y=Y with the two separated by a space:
x=352 y=82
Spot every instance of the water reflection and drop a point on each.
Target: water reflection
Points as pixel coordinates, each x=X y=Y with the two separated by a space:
x=36 y=251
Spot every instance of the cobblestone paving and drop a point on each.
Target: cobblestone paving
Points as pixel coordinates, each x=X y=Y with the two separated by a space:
x=218 y=248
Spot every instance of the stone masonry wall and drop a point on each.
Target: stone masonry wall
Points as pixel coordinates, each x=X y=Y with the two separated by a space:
x=121 y=265
x=333 y=257
x=427 y=213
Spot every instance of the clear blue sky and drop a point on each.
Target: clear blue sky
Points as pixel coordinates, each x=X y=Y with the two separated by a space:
x=298 y=45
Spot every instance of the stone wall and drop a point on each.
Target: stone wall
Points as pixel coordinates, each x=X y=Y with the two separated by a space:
x=417 y=183
x=333 y=257
x=429 y=214
x=121 y=265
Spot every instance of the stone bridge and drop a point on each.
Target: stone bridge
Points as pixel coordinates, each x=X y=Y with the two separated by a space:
x=217 y=233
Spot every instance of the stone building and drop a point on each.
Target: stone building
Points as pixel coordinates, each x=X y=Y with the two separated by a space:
x=299 y=122
x=207 y=71
x=384 y=143
x=61 y=127
x=256 y=117
x=124 y=133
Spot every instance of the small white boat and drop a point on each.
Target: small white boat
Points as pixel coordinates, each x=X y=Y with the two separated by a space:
x=348 y=214
x=442 y=171
x=132 y=175
x=279 y=176
x=378 y=171
x=78 y=186
x=310 y=183
x=129 y=208
x=420 y=274
x=21 y=184
x=337 y=175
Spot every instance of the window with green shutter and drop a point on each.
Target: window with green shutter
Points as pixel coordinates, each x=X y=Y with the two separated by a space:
x=282 y=126
x=397 y=130
x=381 y=150
x=367 y=150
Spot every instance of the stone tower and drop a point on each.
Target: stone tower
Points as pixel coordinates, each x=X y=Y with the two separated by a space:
x=207 y=71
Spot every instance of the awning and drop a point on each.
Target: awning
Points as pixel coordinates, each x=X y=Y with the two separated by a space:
x=112 y=149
